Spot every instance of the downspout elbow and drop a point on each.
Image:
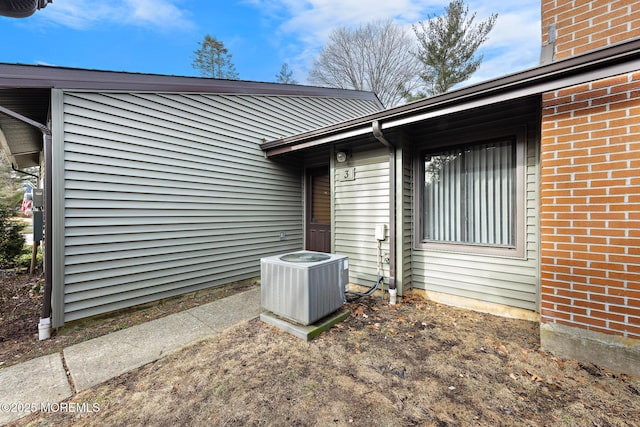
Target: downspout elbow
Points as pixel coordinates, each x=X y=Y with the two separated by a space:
x=15 y=169
x=377 y=134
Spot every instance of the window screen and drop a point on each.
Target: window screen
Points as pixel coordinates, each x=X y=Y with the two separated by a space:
x=469 y=194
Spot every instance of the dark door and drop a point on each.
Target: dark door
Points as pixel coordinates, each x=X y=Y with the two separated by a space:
x=318 y=215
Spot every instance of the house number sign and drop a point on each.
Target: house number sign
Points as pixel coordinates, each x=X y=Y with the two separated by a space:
x=347 y=174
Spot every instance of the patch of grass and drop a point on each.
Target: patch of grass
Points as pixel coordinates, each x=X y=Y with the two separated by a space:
x=485 y=371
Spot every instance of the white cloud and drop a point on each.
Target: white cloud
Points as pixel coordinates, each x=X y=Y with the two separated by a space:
x=514 y=43
x=81 y=14
x=44 y=63
x=158 y=13
x=75 y=14
x=313 y=20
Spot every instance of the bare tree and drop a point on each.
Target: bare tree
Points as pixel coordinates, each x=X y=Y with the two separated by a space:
x=376 y=57
x=448 y=45
x=214 y=60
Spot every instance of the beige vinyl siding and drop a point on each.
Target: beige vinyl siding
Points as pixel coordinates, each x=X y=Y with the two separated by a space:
x=169 y=193
x=406 y=224
x=359 y=206
x=502 y=280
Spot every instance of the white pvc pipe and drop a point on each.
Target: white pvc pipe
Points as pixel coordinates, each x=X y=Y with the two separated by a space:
x=392 y=296
x=44 y=328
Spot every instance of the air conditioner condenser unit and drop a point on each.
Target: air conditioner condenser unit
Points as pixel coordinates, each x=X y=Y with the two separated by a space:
x=304 y=286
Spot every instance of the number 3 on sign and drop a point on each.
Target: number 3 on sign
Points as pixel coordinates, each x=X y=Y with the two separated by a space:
x=348 y=174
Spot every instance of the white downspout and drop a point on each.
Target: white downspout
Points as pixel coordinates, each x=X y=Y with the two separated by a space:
x=377 y=133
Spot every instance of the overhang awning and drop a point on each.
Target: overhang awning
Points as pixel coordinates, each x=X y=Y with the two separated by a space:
x=610 y=61
x=22 y=142
x=26 y=90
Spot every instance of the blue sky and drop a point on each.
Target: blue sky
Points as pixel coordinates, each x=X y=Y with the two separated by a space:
x=159 y=36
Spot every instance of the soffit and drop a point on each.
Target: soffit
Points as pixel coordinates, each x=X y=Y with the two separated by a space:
x=26 y=90
x=21 y=141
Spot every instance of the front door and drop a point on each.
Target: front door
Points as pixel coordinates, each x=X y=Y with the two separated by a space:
x=318 y=215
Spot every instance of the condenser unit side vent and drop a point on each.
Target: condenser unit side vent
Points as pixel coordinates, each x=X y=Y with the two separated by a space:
x=303 y=286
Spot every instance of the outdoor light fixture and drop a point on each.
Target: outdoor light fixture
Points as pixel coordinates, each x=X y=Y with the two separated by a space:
x=341 y=157
x=21 y=8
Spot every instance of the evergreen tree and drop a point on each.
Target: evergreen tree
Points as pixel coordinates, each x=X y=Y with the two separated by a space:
x=11 y=239
x=11 y=192
x=214 y=60
x=447 y=47
x=12 y=185
x=285 y=76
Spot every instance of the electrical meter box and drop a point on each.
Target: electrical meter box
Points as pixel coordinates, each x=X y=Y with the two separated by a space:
x=38 y=198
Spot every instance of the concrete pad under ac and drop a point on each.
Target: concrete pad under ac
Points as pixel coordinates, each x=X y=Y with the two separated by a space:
x=308 y=332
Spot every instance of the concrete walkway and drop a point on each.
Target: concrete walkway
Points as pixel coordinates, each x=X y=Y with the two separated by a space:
x=43 y=381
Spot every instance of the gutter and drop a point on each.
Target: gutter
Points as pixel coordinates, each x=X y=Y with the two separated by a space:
x=377 y=134
x=25 y=76
x=44 y=327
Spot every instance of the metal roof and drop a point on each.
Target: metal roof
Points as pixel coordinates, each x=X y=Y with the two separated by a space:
x=613 y=60
x=26 y=90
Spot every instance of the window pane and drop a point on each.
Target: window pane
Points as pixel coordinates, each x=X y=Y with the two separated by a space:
x=320 y=199
x=442 y=192
x=469 y=195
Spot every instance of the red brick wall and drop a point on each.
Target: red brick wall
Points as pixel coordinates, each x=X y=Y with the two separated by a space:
x=583 y=25
x=590 y=206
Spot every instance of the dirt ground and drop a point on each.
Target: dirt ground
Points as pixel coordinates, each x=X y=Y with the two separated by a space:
x=415 y=363
x=21 y=303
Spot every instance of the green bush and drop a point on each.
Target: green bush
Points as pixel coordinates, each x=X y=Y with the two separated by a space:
x=11 y=240
x=24 y=259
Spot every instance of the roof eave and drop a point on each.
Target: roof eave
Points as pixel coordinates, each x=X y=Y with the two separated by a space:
x=617 y=59
x=39 y=76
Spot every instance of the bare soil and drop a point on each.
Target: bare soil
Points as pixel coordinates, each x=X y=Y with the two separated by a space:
x=21 y=297
x=415 y=363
